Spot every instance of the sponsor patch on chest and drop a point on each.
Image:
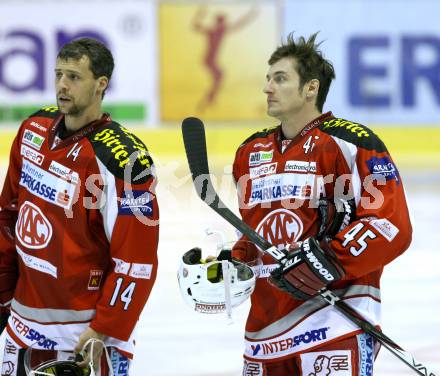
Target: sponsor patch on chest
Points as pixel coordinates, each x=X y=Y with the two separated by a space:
x=282 y=187
x=259 y=157
x=64 y=172
x=47 y=186
x=32 y=155
x=300 y=166
x=32 y=139
x=266 y=169
x=32 y=228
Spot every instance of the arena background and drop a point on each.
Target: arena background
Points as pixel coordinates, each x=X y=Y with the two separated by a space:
x=387 y=61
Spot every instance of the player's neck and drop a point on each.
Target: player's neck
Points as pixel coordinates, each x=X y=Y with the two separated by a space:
x=295 y=123
x=76 y=122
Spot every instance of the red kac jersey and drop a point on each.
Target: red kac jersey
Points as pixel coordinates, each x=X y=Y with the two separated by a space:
x=278 y=182
x=86 y=231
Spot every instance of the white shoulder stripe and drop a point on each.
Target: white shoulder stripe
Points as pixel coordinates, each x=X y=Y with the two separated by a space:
x=349 y=151
x=109 y=210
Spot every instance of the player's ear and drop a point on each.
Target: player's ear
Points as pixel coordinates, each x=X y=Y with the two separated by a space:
x=312 y=88
x=102 y=84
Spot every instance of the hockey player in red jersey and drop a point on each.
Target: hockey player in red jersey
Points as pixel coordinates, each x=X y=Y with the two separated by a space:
x=326 y=191
x=79 y=223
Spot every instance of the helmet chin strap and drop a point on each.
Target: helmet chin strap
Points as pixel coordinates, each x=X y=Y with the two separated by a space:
x=92 y=342
x=227 y=283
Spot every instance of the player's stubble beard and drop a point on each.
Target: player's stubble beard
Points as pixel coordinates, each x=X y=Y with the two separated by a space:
x=76 y=109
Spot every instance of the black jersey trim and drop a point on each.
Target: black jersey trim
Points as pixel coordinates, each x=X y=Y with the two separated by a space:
x=123 y=153
x=355 y=133
x=260 y=134
x=47 y=111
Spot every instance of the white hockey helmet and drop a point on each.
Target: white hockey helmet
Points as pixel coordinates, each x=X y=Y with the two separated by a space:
x=42 y=362
x=203 y=286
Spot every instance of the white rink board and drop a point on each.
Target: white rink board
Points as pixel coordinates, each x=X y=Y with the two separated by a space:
x=174 y=341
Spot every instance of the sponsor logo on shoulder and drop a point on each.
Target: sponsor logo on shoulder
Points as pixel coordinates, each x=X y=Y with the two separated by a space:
x=383 y=166
x=64 y=172
x=266 y=169
x=38 y=126
x=385 y=228
x=32 y=155
x=119 y=148
x=32 y=139
x=259 y=157
x=136 y=203
x=355 y=128
x=300 y=166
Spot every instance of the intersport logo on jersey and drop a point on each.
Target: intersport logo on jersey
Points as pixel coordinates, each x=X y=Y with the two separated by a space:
x=33 y=229
x=283 y=345
x=280 y=227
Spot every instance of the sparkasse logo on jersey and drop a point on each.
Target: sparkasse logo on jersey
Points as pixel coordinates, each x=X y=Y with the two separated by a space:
x=260 y=157
x=33 y=229
x=47 y=186
x=283 y=187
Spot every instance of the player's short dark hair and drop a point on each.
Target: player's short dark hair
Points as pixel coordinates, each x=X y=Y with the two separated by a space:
x=310 y=64
x=101 y=59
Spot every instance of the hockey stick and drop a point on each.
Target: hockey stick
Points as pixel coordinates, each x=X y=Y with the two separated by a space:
x=195 y=145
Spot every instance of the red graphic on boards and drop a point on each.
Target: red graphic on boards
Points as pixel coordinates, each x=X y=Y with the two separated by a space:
x=215 y=34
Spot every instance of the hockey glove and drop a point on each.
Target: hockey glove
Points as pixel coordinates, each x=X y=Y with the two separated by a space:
x=307 y=269
x=334 y=215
